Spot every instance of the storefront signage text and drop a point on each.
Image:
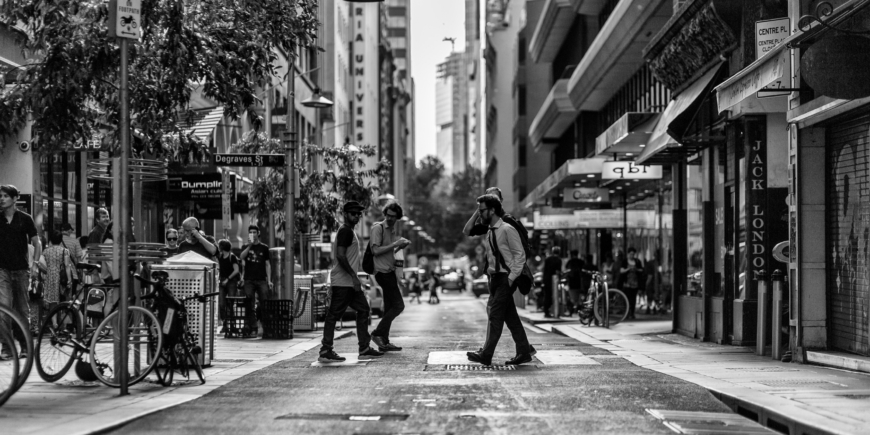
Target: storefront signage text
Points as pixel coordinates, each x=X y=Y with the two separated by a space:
x=630 y=171
x=756 y=204
x=768 y=34
x=601 y=219
x=585 y=194
x=359 y=52
x=206 y=187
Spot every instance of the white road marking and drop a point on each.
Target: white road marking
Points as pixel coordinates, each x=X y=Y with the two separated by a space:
x=451 y=357
x=534 y=329
x=564 y=357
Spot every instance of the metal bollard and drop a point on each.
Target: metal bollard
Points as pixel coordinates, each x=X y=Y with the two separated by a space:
x=556 y=304
x=776 y=309
x=763 y=321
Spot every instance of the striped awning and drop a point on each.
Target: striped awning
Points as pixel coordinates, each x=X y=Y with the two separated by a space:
x=201 y=123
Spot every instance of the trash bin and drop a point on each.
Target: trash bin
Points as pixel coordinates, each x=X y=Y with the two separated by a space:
x=191 y=273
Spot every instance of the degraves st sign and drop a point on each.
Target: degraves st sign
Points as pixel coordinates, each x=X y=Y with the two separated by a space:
x=630 y=171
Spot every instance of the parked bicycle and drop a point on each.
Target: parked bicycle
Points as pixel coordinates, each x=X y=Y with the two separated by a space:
x=13 y=371
x=603 y=305
x=180 y=351
x=82 y=331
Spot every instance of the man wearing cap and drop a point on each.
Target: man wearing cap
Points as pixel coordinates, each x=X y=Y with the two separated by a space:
x=16 y=231
x=346 y=288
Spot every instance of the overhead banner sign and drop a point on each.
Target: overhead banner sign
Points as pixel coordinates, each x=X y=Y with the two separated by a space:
x=630 y=171
x=762 y=75
x=768 y=34
x=585 y=195
x=249 y=160
x=190 y=187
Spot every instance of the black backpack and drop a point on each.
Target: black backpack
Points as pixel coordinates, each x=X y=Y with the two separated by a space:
x=368 y=262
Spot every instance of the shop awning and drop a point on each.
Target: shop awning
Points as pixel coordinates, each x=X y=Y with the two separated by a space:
x=628 y=135
x=674 y=121
x=201 y=123
x=770 y=67
x=573 y=171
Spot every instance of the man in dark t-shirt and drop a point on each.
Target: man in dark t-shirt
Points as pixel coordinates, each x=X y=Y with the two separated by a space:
x=257 y=271
x=195 y=240
x=17 y=230
x=230 y=271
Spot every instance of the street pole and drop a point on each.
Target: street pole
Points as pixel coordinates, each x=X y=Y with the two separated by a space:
x=124 y=224
x=289 y=186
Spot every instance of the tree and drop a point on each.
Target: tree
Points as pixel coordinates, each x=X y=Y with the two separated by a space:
x=227 y=48
x=321 y=192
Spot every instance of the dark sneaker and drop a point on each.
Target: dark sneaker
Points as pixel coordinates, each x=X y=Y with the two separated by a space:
x=519 y=359
x=479 y=358
x=371 y=352
x=389 y=347
x=380 y=341
x=331 y=356
x=533 y=351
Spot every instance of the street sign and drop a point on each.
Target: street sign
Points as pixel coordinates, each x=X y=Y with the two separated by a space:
x=252 y=160
x=94 y=143
x=769 y=33
x=125 y=18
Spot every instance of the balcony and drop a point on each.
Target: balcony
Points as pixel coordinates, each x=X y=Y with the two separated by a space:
x=554 y=24
x=556 y=115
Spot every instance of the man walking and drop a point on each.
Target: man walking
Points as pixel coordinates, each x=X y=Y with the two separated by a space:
x=16 y=231
x=505 y=257
x=385 y=242
x=257 y=272
x=346 y=288
x=98 y=233
x=575 y=268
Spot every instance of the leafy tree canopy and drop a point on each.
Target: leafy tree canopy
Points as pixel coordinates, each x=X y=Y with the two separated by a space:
x=227 y=48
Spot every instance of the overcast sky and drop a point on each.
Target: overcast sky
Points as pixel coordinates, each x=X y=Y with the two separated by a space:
x=431 y=22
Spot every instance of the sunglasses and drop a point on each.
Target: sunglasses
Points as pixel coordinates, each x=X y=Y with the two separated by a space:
x=355 y=213
x=171 y=238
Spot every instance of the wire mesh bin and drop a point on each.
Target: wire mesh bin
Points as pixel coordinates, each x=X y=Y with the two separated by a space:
x=191 y=273
x=237 y=323
x=302 y=292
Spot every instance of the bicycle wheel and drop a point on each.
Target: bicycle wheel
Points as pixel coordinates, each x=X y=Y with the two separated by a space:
x=618 y=307
x=21 y=334
x=143 y=346
x=8 y=367
x=193 y=363
x=165 y=368
x=56 y=348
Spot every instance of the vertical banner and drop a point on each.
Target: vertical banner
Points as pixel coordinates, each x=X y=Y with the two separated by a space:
x=226 y=198
x=757 y=216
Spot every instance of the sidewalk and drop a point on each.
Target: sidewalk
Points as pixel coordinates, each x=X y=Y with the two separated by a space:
x=788 y=397
x=71 y=406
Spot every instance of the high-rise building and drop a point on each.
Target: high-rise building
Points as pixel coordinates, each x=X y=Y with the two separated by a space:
x=453 y=86
x=474 y=77
x=398 y=35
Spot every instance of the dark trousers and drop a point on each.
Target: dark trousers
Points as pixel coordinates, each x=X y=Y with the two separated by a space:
x=631 y=294
x=256 y=291
x=500 y=310
x=342 y=298
x=547 y=302
x=393 y=303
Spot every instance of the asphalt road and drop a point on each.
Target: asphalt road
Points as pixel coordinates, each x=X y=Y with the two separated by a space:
x=401 y=393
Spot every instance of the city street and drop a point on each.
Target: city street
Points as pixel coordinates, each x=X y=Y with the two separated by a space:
x=570 y=388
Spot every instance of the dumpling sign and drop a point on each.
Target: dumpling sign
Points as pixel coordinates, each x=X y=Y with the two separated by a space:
x=125 y=18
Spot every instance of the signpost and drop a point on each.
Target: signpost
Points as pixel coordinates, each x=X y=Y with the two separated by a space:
x=124 y=24
x=250 y=160
x=768 y=34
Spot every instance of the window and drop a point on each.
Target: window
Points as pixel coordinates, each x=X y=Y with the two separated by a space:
x=398 y=32
x=521 y=100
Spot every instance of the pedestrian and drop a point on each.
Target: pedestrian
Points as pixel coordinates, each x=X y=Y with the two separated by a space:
x=229 y=274
x=101 y=224
x=575 y=268
x=505 y=259
x=70 y=242
x=171 y=247
x=385 y=242
x=256 y=274
x=630 y=279
x=17 y=231
x=431 y=281
x=346 y=288
x=415 y=287
x=195 y=240
x=58 y=266
x=552 y=269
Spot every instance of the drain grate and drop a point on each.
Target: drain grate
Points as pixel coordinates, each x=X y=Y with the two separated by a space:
x=556 y=344
x=347 y=417
x=789 y=382
x=479 y=368
x=231 y=360
x=856 y=396
x=761 y=369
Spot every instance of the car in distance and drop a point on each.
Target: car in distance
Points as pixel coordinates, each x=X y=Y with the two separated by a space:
x=480 y=286
x=453 y=280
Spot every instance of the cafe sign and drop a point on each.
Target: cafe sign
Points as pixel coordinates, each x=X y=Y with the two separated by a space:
x=630 y=171
x=585 y=195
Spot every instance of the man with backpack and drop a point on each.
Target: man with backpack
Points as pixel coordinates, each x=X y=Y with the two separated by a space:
x=385 y=242
x=505 y=260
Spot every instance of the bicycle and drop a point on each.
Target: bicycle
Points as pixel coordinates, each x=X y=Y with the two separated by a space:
x=13 y=373
x=180 y=352
x=600 y=300
x=68 y=334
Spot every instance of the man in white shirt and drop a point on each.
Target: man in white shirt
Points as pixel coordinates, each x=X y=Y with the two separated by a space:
x=505 y=255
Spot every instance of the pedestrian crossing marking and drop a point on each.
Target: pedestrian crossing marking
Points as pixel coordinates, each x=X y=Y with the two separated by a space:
x=352 y=361
x=447 y=357
x=564 y=357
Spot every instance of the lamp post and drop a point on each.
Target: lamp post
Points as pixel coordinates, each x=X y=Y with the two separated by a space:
x=316 y=101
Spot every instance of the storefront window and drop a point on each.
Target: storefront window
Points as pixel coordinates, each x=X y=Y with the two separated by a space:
x=695 y=236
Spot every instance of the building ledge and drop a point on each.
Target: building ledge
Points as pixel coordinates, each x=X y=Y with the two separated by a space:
x=840 y=360
x=556 y=20
x=555 y=115
x=617 y=52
